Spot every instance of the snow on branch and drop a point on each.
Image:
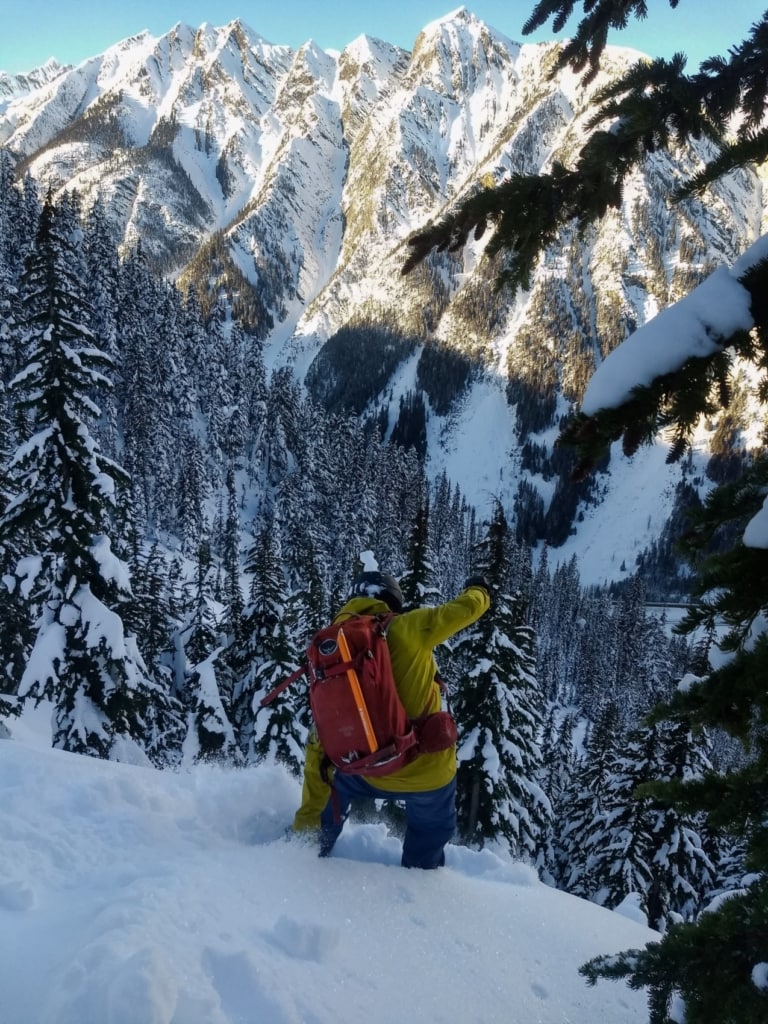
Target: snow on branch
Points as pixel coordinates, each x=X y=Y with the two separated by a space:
x=696 y=326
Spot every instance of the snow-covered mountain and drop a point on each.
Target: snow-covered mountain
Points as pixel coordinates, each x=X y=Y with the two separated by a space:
x=13 y=87
x=293 y=179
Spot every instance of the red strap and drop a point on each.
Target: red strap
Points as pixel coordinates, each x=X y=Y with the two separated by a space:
x=282 y=686
x=364 y=765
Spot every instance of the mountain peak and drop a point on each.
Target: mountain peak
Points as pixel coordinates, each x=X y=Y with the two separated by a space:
x=366 y=49
x=459 y=16
x=13 y=86
x=237 y=29
x=458 y=25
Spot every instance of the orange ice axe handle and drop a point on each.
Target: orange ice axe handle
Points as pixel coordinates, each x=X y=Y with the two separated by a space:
x=357 y=694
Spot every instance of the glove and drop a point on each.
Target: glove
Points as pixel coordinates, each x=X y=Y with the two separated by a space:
x=478 y=581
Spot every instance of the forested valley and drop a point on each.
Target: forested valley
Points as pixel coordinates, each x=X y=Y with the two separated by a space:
x=177 y=519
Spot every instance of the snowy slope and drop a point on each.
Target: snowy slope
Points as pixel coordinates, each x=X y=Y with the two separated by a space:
x=128 y=895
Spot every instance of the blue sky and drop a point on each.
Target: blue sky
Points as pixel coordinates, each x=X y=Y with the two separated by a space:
x=33 y=30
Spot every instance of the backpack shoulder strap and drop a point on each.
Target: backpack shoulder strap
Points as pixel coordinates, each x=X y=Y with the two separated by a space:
x=384 y=621
x=283 y=686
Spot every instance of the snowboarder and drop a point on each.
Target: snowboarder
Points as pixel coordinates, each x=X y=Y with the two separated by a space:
x=427 y=785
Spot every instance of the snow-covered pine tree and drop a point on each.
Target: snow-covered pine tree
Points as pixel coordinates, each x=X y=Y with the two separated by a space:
x=255 y=401
x=191 y=490
x=555 y=616
x=134 y=391
x=265 y=609
x=13 y=246
x=620 y=863
x=153 y=392
x=102 y=265
x=16 y=633
x=448 y=536
x=632 y=637
x=583 y=805
x=301 y=504
x=210 y=735
x=204 y=664
x=598 y=643
x=280 y=729
x=684 y=876
x=149 y=615
x=642 y=847
x=416 y=582
x=219 y=400
x=65 y=491
x=200 y=633
x=558 y=766
x=149 y=612
x=499 y=711
x=19 y=215
x=15 y=624
x=234 y=602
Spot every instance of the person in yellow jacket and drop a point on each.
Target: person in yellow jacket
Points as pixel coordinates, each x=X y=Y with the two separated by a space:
x=427 y=785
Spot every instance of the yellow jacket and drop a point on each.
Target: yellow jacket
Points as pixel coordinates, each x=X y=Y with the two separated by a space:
x=413 y=636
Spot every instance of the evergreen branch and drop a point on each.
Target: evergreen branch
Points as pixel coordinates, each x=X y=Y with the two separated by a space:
x=656 y=100
x=732 y=698
x=527 y=211
x=674 y=400
x=591 y=36
x=652 y=104
x=751 y=149
x=724 y=946
x=740 y=83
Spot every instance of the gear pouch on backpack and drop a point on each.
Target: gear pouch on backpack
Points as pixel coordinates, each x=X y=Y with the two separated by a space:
x=437 y=732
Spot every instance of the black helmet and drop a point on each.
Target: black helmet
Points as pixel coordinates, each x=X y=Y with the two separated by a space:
x=381 y=585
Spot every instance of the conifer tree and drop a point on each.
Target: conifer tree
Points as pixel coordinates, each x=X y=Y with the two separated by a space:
x=65 y=491
x=684 y=876
x=210 y=735
x=13 y=247
x=281 y=734
x=416 y=581
x=16 y=633
x=149 y=614
x=585 y=801
x=233 y=593
x=201 y=633
x=499 y=712
x=192 y=489
x=262 y=621
x=645 y=847
x=254 y=399
x=621 y=862
x=558 y=765
x=102 y=267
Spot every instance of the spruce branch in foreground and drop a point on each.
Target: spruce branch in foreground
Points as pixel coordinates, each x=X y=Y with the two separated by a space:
x=654 y=105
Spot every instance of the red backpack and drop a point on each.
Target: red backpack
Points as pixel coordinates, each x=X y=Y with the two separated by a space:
x=360 y=720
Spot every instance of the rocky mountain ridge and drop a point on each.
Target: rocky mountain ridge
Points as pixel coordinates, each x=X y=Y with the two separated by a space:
x=292 y=179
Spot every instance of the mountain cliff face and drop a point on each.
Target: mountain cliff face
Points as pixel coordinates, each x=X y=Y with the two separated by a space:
x=293 y=178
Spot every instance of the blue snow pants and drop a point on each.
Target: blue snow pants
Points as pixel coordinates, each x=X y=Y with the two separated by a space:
x=430 y=818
